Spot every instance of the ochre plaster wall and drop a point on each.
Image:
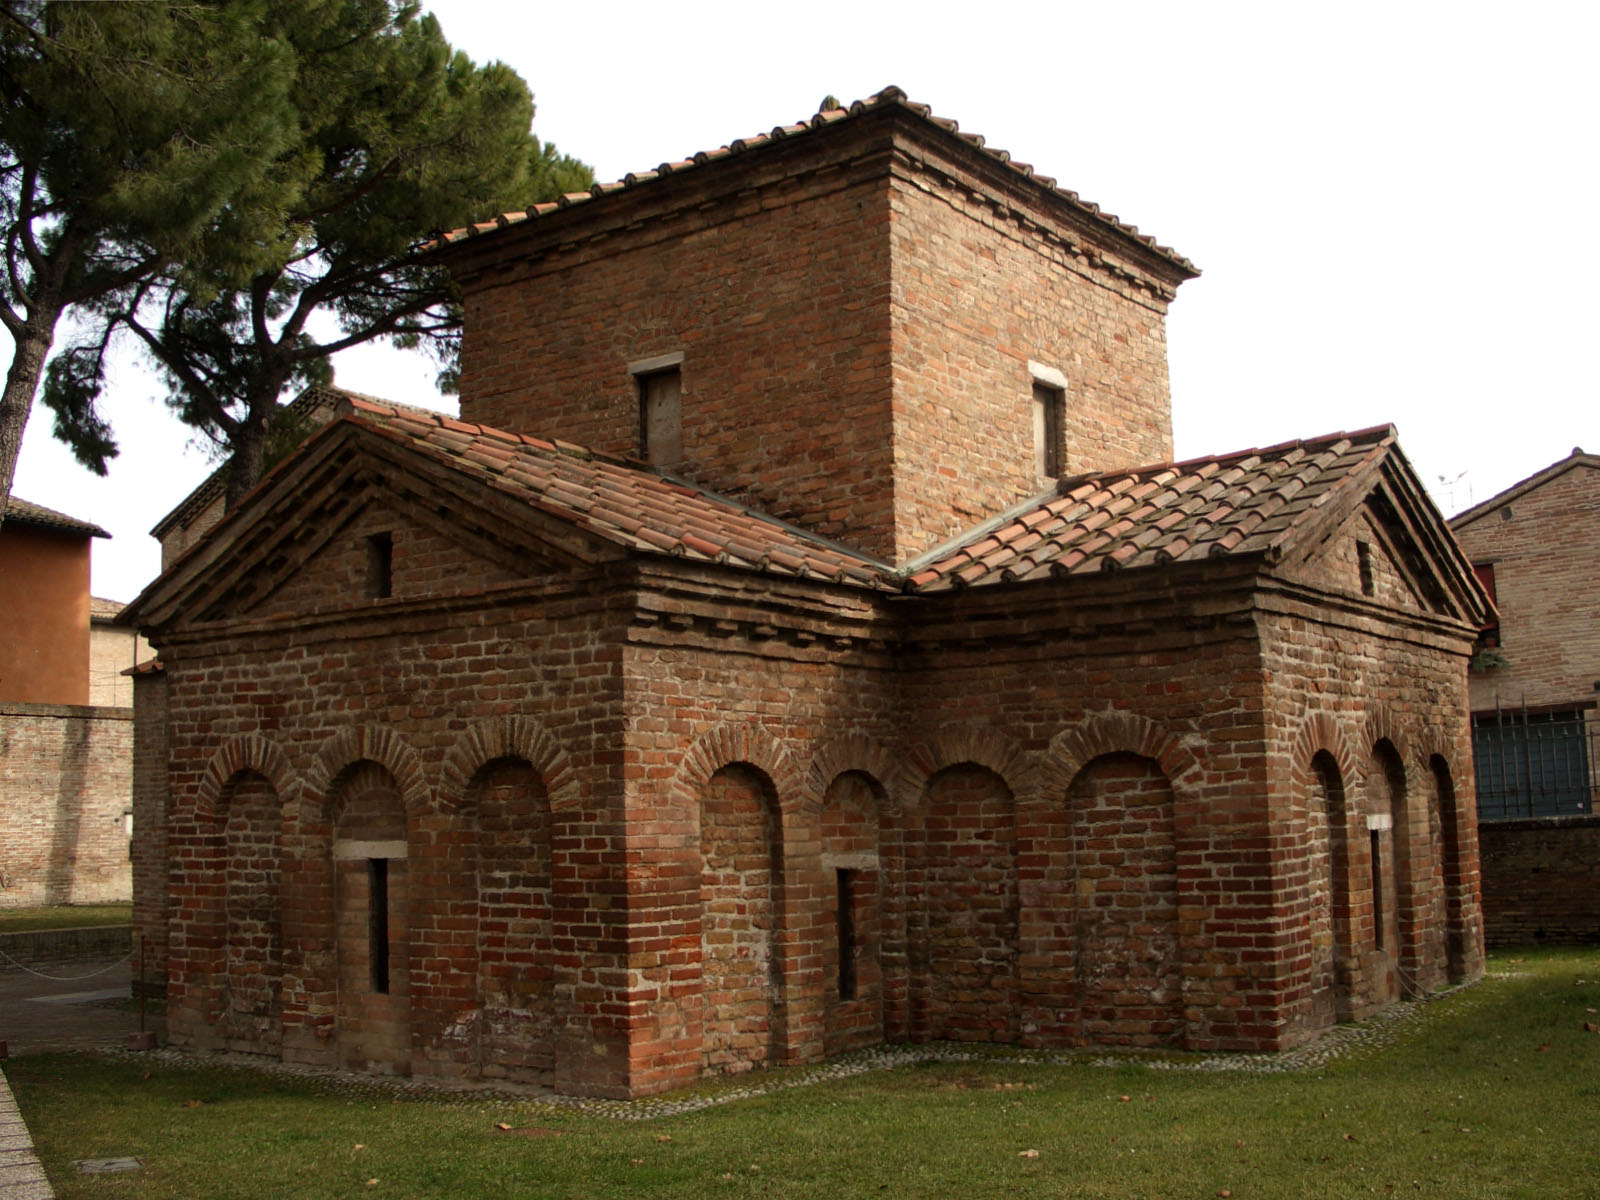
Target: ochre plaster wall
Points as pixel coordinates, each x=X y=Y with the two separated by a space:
x=44 y=592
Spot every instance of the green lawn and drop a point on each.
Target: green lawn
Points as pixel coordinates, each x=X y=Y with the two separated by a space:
x=64 y=916
x=1491 y=1092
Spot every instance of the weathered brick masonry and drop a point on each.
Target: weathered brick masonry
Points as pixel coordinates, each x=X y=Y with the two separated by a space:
x=1541 y=881
x=64 y=803
x=494 y=757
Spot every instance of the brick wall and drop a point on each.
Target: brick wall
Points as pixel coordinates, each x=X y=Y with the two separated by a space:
x=1175 y=802
x=856 y=312
x=778 y=305
x=1373 y=711
x=51 y=948
x=1544 y=544
x=980 y=290
x=1541 y=881
x=65 y=779
x=111 y=652
x=517 y=676
x=150 y=790
x=1025 y=793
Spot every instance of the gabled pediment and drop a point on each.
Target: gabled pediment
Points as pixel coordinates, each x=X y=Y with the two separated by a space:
x=465 y=507
x=1299 y=509
x=1383 y=539
x=319 y=532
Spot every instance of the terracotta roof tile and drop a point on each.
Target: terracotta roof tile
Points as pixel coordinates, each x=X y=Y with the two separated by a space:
x=621 y=500
x=887 y=97
x=1239 y=504
x=25 y=512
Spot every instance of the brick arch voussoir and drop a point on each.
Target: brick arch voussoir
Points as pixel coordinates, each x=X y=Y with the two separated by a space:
x=508 y=737
x=1320 y=733
x=1430 y=745
x=726 y=745
x=381 y=745
x=986 y=748
x=1118 y=732
x=250 y=752
x=852 y=752
x=1382 y=727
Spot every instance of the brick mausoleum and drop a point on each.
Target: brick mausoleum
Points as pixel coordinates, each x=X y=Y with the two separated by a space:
x=788 y=651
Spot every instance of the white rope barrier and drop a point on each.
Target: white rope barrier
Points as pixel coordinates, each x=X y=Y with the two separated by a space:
x=66 y=978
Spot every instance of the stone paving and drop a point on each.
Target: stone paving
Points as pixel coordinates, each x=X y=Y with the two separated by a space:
x=21 y=1175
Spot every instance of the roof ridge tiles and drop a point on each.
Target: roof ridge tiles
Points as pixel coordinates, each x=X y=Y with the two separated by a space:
x=890 y=96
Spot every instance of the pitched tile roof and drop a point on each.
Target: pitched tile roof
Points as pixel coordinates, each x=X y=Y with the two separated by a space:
x=889 y=96
x=1238 y=505
x=317 y=404
x=623 y=501
x=25 y=512
x=1232 y=506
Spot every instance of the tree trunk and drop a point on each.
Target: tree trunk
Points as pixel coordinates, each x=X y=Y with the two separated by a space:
x=22 y=383
x=248 y=461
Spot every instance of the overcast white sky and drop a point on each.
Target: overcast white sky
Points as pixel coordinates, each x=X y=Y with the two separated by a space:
x=1394 y=205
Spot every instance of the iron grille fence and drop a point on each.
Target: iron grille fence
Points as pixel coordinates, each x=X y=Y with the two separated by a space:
x=1536 y=764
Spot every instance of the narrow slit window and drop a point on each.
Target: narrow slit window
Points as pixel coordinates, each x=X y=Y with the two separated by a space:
x=661 y=418
x=846 y=928
x=378 y=923
x=1376 y=839
x=1048 y=402
x=1364 y=565
x=380 y=566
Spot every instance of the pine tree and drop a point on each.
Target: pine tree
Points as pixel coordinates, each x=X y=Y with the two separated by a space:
x=397 y=138
x=124 y=129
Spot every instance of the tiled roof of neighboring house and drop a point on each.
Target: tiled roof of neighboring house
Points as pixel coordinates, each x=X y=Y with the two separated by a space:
x=101 y=609
x=1241 y=504
x=1538 y=479
x=887 y=97
x=319 y=402
x=25 y=512
x=624 y=501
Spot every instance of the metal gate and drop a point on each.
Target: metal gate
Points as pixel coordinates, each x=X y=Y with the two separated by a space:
x=1535 y=764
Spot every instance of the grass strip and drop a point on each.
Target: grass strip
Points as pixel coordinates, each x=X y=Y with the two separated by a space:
x=1490 y=1092
x=64 y=916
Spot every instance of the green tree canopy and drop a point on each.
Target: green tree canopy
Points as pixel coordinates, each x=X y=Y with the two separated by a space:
x=124 y=130
x=396 y=137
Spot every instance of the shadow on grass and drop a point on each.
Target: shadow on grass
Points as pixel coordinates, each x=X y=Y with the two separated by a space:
x=1478 y=1094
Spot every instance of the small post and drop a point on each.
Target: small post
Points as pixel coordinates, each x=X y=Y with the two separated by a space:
x=143 y=1040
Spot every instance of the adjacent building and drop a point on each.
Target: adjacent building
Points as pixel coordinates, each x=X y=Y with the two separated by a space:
x=1534 y=688
x=65 y=741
